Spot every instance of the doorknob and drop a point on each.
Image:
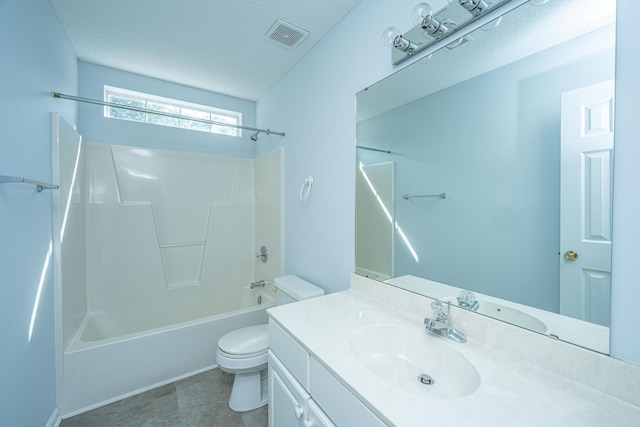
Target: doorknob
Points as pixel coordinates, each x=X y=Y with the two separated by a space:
x=571 y=255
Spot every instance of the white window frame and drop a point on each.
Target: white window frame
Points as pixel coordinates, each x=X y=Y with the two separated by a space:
x=177 y=104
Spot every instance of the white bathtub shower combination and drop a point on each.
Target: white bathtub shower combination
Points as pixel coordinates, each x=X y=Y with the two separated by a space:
x=155 y=256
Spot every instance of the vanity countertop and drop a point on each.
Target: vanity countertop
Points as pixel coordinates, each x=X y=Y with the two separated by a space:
x=514 y=391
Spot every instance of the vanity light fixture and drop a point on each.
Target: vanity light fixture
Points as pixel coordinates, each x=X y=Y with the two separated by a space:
x=476 y=7
x=431 y=28
x=422 y=15
x=391 y=37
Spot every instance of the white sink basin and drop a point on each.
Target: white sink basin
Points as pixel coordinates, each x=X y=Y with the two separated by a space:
x=507 y=314
x=512 y=315
x=398 y=356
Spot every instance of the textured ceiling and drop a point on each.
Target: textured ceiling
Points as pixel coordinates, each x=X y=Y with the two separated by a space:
x=217 y=45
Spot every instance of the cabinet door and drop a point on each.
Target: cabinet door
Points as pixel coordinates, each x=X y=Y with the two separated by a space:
x=287 y=399
x=315 y=416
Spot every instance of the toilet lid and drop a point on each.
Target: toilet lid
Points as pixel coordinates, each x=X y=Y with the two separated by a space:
x=246 y=341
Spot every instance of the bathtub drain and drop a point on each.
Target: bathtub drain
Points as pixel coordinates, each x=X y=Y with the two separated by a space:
x=259 y=299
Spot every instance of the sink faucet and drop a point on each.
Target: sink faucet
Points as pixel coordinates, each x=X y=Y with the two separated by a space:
x=440 y=325
x=258 y=284
x=466 y=299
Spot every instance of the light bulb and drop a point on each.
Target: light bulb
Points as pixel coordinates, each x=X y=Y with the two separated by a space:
x=389 y=36
x=420 y=12
x=475 y=7
x=423 y=15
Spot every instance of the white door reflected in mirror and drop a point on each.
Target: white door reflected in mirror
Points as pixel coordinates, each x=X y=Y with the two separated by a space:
x=586 y=202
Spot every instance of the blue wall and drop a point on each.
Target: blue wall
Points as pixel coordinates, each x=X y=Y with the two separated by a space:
x=93 y=126
x=315 y=104
x=492 y=144
x=625 y=315
x=36 y=60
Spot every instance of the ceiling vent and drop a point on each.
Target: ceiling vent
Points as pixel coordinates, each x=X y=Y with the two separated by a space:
x=286 y=35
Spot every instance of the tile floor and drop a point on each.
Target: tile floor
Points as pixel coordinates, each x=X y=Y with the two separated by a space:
x=198 y=401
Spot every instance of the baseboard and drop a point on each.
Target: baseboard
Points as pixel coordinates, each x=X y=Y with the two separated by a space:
x=55 y=419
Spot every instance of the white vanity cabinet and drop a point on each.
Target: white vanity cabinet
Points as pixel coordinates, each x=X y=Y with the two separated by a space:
x=302 y=393
x=288 y=401
x=289 y=404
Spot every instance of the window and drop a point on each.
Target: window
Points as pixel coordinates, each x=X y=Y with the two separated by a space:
x=173 y=106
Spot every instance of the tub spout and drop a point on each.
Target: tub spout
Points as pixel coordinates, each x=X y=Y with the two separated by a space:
x=258 y=284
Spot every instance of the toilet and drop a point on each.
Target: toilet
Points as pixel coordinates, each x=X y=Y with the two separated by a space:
x=243 y=352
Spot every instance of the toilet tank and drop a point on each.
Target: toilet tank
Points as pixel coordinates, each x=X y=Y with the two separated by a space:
x=292 y=288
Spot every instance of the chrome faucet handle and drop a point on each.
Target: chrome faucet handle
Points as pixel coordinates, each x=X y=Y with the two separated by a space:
x=440 y=325
x=440 y=310
x=466 y=299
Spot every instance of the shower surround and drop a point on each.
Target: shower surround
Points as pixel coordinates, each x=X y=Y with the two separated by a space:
x=156 y=252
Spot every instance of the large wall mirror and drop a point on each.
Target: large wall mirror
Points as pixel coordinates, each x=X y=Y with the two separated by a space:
x=486 y=167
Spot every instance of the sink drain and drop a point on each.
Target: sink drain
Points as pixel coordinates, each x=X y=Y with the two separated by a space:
x=426 y=379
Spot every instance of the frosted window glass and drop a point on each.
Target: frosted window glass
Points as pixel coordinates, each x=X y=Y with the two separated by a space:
x=173 y=106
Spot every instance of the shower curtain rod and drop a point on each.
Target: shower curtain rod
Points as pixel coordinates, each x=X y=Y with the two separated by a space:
x=160 y=113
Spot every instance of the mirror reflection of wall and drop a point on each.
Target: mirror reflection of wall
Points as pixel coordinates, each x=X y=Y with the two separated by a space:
x=493 y=144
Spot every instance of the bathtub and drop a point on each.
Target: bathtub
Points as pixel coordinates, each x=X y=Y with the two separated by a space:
x=154 y=252
x=113 y=356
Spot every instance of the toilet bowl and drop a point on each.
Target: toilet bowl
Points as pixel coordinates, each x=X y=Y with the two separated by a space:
x=243 y=352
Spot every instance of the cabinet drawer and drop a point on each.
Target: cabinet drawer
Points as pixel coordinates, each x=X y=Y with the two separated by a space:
x=337 y=402
x=290 y=353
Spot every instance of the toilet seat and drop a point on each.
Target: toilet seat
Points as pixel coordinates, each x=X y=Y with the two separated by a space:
x=244 y=350
x=235 y=365
x=245 y=342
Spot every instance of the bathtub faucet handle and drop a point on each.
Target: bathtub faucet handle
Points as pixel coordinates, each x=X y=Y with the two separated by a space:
x=263 y=255
x=258 y=284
